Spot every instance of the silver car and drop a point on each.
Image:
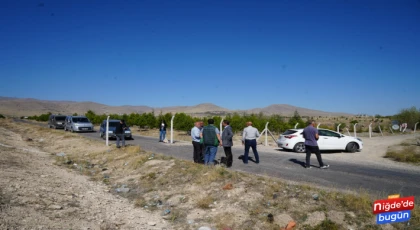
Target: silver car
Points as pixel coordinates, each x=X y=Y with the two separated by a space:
x=78 y=124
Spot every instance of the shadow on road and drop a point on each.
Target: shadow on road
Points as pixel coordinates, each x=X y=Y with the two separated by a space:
x=301 y=163
x=322 y=151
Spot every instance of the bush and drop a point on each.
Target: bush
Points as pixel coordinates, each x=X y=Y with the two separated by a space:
x=1 y=116
x=408 y=154
x=42 y=117
x=409 y=116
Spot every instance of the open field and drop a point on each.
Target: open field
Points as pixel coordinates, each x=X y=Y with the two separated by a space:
x=149 y=185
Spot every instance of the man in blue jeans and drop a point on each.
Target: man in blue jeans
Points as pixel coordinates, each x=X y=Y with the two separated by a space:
x=249 y=139
x=310 y=133
x=211 y=140
x=162 y=130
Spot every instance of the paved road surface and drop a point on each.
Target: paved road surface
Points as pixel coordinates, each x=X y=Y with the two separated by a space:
x=288 y=166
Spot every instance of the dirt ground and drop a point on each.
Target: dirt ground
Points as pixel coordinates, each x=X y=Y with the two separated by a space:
x=37 y=194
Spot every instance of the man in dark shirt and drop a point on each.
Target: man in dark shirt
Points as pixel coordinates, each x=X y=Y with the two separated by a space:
x=120 y=133
x=310 y=133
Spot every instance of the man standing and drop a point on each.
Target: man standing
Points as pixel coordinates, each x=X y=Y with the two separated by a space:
x=162 y=130
x=211 y=139
x=310 y=133
x=227 y=135
x=249 y=139
x=120 y=133
x=198 y=147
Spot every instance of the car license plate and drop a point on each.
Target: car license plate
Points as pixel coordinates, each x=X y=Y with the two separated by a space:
x=127 y=131
x=109 y=131
x=85 y=128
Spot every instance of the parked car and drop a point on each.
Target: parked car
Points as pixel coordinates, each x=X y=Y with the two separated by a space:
x=111 y=130
x=78 y=124
x=328 y=140
x=56 y=121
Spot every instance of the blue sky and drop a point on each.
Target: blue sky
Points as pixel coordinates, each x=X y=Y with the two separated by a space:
x=356 y=56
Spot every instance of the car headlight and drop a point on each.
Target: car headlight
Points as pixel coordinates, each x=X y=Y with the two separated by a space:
x=359 y=139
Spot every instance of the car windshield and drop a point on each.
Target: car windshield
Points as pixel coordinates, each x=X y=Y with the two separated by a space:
x=288 y=132
x=60 y=118
x=80 y=120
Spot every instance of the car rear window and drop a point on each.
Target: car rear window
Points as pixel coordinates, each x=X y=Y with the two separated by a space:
x=288 y=132
x=113 y=124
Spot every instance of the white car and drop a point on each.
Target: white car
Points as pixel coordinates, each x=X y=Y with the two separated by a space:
x=328 y=140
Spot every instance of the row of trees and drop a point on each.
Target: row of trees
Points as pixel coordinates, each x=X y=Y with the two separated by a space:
x=277 y=123
x=185 y=122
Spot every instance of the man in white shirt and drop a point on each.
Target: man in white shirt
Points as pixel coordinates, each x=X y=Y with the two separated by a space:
x=198 y=147
x=249 y=139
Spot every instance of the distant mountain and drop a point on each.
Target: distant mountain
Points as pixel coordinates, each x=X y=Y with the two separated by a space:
x=29 y=107
x=288 y=110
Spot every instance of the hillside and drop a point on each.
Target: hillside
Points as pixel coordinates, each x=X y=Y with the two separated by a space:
x=29 y=107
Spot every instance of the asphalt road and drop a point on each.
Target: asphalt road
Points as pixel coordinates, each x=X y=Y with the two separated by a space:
x=289 y=166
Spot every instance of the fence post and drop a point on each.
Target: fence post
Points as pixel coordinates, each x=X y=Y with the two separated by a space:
x=266 y=134
x=415 y=127
x=318 y=125
x=354 y=129
x=107 y=129
x=380 y=130
x=296 y=125
x=370 y=130
x=348 y=131
x=172 y=129
x=221 y=127
x=338 y=128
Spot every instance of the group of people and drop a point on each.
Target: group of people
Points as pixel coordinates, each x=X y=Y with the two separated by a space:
x=207 y=139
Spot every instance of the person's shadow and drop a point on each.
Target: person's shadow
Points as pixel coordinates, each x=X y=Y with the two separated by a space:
x=241 y=157
x=301 y=163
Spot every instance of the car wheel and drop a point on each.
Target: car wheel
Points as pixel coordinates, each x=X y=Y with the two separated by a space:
x=352 y=147
x=299 y=147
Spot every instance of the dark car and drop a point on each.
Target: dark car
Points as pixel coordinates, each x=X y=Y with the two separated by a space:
x=56 y=121
x=111 y=129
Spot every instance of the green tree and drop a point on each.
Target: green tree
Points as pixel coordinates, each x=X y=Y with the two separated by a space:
x=409 y=116
x=296 y=119
x=183 y=122
x=92 y=116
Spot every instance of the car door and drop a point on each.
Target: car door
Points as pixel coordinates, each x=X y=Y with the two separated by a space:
x=68 y=123
x=323 y=143
x=332 y=140
x=102 y=128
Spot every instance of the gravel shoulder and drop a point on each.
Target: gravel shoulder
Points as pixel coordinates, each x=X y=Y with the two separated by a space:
x=37 y=194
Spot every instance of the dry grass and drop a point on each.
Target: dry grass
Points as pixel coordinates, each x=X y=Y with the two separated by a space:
x=205 y=202
x=158 y=182
x=408 y=153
